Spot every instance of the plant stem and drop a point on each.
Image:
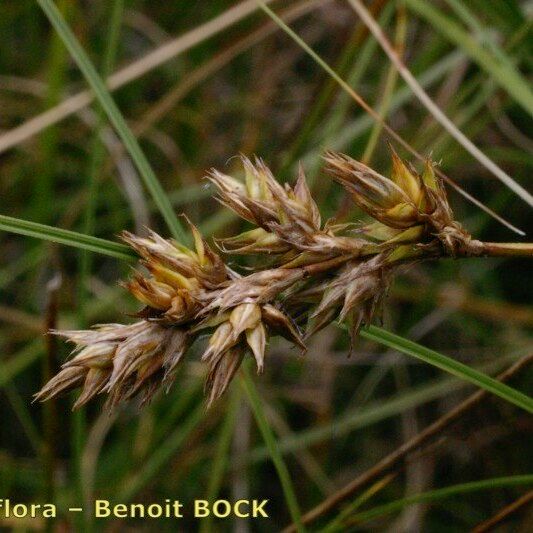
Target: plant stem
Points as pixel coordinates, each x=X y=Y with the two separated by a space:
x=506 y=249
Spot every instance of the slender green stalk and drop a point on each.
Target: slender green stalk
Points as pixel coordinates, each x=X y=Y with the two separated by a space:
x=187 y=399
x=329 y=130
x=23 y=264
x=115 y=117
x=440 y=494
x=355 y=46
x=390 y=84
x=97 y=152
x=56 y=70
x=434 y=109
x=20 y=407
x=449 y=365
x=392 y=134
x=272 y=446
x=20 y=361
x=362 y=417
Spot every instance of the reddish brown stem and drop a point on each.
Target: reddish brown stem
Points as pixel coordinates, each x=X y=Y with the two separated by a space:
x=503 y=514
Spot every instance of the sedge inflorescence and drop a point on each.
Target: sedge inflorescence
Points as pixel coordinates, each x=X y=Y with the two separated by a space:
x=316 y=272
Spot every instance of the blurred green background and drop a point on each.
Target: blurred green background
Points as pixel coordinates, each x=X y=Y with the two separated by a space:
x=235 y=82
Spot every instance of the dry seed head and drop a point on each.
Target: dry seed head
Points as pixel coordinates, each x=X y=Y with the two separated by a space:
x=316 y=273
x=288 y=218
x=221 y=372
x=124 y=361
x=381 y=198
x=178 y=276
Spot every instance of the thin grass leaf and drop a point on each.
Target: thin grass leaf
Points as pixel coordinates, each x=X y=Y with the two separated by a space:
x=220 y=459
x=449 y=365
x=340 y=138
x=20 y=407
x=337 y=523
x=390 y=84
x=115 y=116
x=68 y=237
x=78 y=435
x=437 y=113
x=97 y=153
x=441 y=494
x=502 y=72
x=272 y=446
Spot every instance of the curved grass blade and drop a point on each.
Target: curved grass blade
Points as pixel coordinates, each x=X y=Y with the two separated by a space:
x=221 y=456
x=435 y=110
x=503 y=73
x=64 y=236
x=20 y=361
x=272 y=446
x=440 y=494
x=449 y=365
x=337 y=524
x=367 y=415
x=115 y=116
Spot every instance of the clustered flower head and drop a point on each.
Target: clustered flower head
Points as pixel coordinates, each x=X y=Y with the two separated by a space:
x=315 y=273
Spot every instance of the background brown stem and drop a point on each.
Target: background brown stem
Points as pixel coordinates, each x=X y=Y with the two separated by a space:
x=391 y=460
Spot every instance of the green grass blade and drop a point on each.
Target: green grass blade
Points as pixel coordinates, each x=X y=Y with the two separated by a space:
x=434 y=109
x=221 y=459
x=337 y=523
x=115 y=117
x=439 y=494
x=503 y=73
x=70 y=238
x=20 y=408
x=390 y=83
x=78 y=434
x=449 y=365
x=272 y=446
x=97 y=152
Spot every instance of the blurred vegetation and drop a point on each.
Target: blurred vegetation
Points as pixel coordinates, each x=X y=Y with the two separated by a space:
x=240 y=84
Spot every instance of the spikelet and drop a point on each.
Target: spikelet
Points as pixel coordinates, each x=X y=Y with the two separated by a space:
x=288 y=218
x=408 y=207
x=123 y=361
